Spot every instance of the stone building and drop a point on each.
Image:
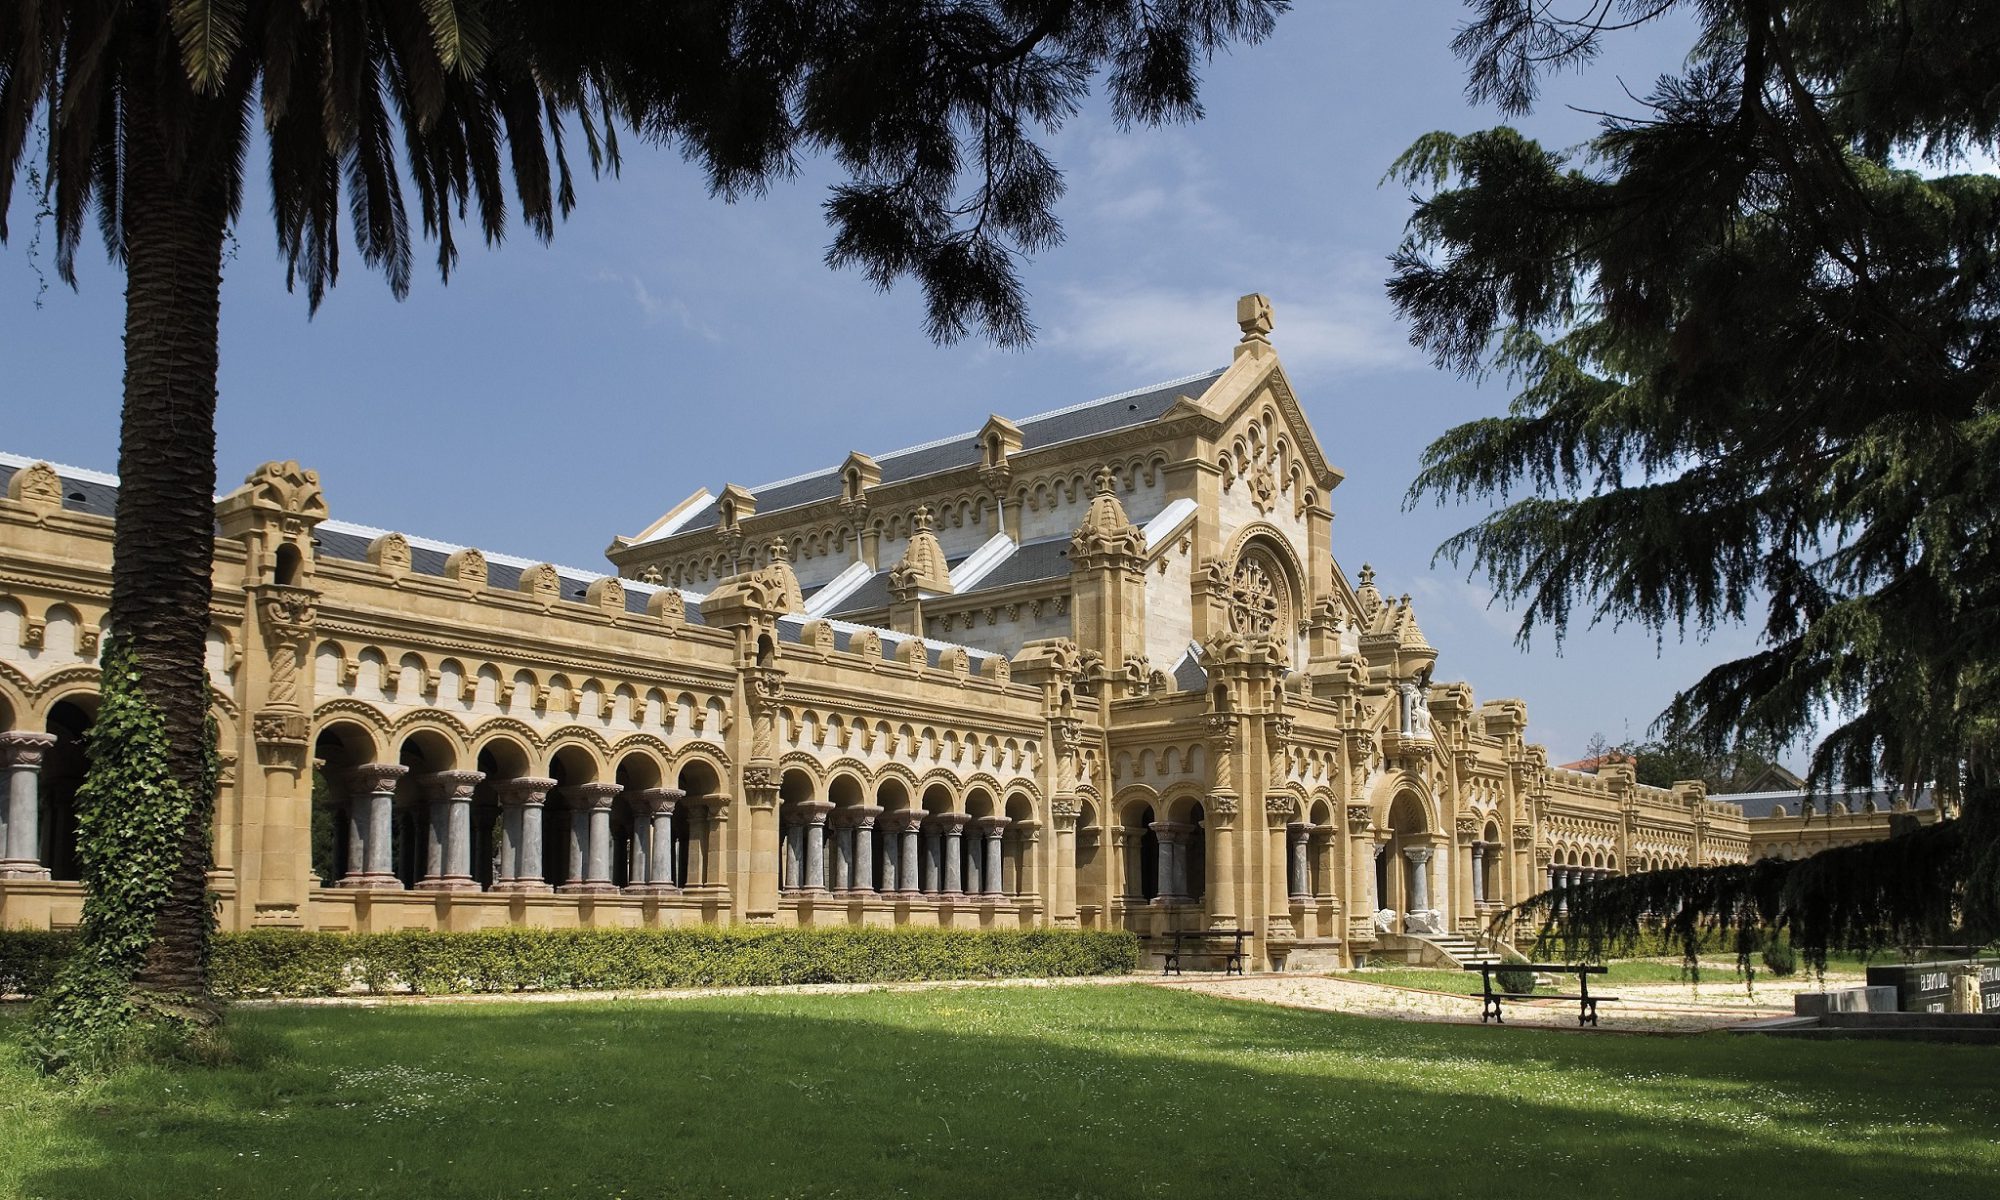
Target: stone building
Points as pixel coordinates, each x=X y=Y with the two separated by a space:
x=1097 y=667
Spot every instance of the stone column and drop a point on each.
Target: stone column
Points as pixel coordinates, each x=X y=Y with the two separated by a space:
x=700 y=820
x=1172 y=837
x=1299 y=871
x=794 y=842
x=953 y=827
x=653 y=840
x=1130 y=845
x=815 y=813
x=930 y=866
x=371 y=822
x=991 y=830
x=840 y=846
x=1029 y=838
x=1478 y=873
x=1420 y=877
x=1061 y=903
x=1220 y=816
x=909 y=823
x=21 y=821
x=861 y=873
x=590 y=856
x=448 y=852
x=521 y=804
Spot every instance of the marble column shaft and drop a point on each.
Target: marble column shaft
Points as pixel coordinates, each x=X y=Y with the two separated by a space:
x=815 y=813
x=652 y=866
x=521 y=804
x=370 y=826
x=21 y=823
x=1299 y=873
x=1420 y=877
x=910 y=826
x=448 y=849
x=861 y=872
x=953 y=827
x=991 y=830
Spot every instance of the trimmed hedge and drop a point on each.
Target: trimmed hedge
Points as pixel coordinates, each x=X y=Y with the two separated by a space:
x=29 y=958
x=269 y=963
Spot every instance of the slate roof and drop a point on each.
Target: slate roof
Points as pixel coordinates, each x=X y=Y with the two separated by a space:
x=1759 y=805
x=96 y=493
x=1105 y=415
x=1032 y=562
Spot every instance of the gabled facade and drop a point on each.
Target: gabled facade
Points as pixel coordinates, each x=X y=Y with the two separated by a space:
x=1095 y=667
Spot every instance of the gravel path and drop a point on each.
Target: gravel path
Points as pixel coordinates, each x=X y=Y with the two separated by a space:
x=1652 y=1008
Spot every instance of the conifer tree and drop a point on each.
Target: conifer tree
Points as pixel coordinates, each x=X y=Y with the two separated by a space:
x=1751 y=331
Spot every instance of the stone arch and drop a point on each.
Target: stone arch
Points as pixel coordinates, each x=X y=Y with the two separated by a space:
x=577 y=733
x=941 y=780
x=519 y=732
x=65 y=684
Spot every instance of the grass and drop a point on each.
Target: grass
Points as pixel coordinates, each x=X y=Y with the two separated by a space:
x=1110 y=1091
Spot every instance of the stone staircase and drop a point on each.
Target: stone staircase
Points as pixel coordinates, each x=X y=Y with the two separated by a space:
x=1448 y=951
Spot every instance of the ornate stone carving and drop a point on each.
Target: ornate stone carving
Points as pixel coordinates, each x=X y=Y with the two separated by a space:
x=541 y=582
x=1524 y=833
x=1223 y=806
x=19 y=748
x=288 y=488
x=1468 y=827
x=1359 y=817
x=36 y=485
x=467 y=567
x=1107 y=536
x=1279 y=807
x=390 y=553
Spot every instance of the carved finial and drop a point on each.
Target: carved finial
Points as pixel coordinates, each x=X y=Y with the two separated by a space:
x=651 y=575
x=780 y=552
x=1107 y=484
x=921 y=522
x=1253 y=316
x=1367 y=575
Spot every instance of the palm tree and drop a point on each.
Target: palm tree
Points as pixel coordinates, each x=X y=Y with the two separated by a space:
x=148 y=108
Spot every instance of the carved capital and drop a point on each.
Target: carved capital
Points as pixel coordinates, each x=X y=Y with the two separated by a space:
x=526 y=791
x=374 y=778
x=1279 y=807
x=288 y=613
x=592 y=795
x=1222 y=731
x=449 y=785
x=279 y=728
x=1280 y=727
x=657 y=802
x=1359 y=817
x=763 y=688
x=1223 y=805
x=1524 y=833
x=1468 y=827
x=25 y=750
x=1066 y=734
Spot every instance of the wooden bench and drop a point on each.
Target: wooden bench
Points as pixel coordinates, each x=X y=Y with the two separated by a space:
x=1586 y=1013
x=1177 y=943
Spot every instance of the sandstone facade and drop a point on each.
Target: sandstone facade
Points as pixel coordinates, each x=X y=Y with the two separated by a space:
x=1097 y=667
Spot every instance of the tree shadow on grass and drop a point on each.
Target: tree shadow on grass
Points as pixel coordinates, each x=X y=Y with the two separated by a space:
x=1019 y=1093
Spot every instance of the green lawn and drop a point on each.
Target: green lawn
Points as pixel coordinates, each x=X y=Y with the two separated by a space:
x=1085 y=1091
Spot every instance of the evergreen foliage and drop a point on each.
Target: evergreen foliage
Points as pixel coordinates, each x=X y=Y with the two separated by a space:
x=1752 y=332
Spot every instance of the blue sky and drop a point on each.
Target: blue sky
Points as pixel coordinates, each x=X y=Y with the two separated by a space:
x=551 y=397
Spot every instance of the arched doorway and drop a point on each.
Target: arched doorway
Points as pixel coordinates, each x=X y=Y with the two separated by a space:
x=1407 y=875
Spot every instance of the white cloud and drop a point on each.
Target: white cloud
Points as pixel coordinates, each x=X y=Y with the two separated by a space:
x=1159 y=249
x=658 y=310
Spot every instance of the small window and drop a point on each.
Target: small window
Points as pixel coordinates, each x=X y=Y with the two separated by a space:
x=288 y=565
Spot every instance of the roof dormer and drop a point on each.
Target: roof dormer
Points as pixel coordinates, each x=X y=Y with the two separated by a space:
x=998 y=439
x=736 y=503
x=857 y=475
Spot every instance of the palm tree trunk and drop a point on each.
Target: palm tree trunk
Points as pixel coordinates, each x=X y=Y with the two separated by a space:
x=164 y=544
